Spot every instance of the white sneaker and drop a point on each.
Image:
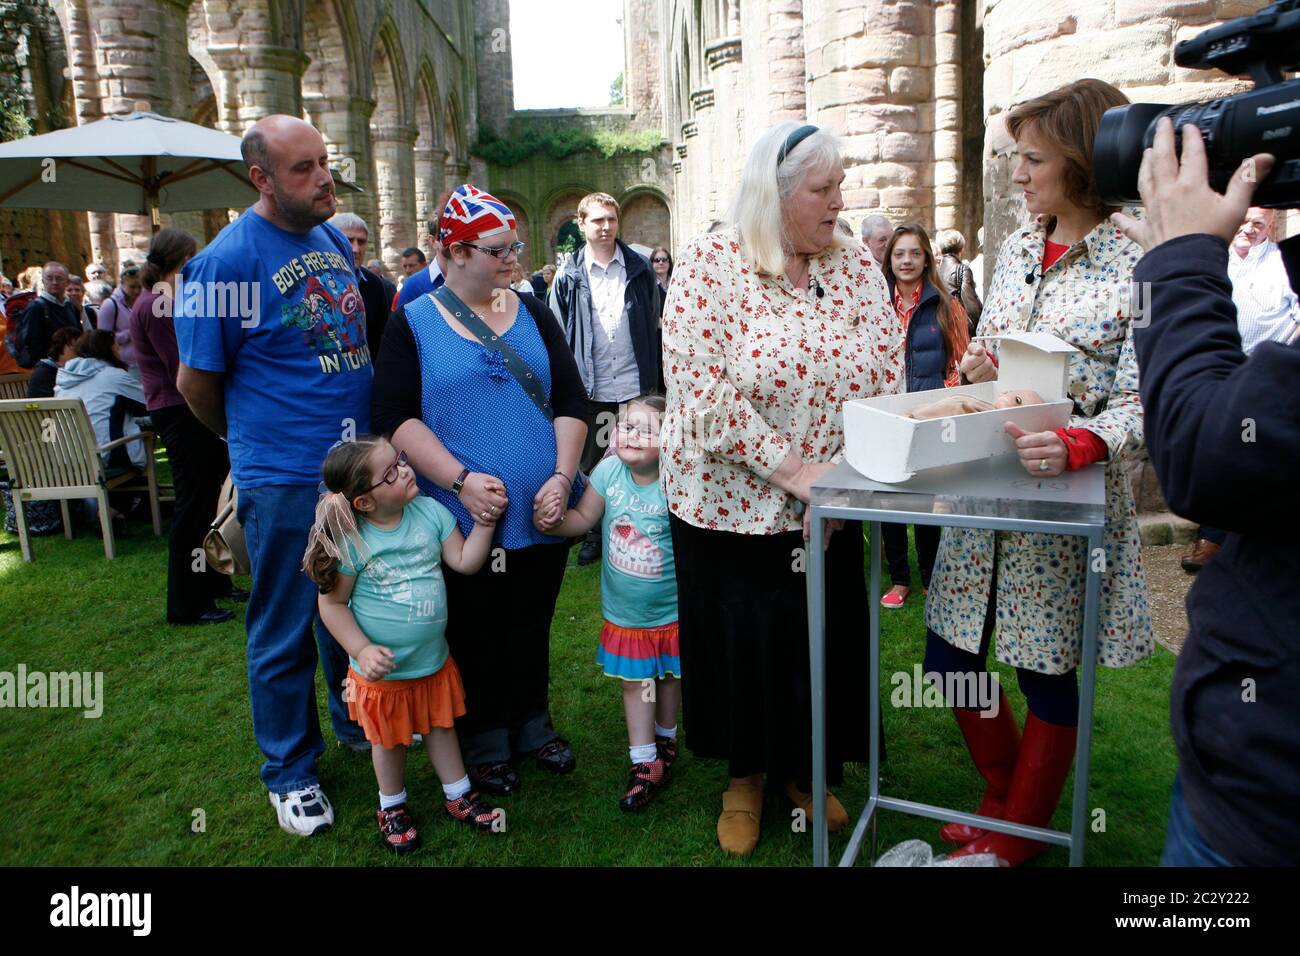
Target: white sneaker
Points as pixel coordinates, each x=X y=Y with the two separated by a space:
x=303 y=812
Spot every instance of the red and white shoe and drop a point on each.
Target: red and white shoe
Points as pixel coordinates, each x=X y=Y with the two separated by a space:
x=475 y=811
x=895 y=597
x=396 y=830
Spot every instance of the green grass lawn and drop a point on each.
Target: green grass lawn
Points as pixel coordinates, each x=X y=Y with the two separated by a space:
x=175 y=737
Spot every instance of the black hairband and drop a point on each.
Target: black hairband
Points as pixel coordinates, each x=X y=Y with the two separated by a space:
x=793 y=140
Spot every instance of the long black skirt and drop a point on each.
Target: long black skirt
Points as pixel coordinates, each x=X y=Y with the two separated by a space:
x=743 y=621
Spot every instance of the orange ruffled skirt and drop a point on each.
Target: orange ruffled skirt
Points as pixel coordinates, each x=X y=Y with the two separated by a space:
x=390 y=711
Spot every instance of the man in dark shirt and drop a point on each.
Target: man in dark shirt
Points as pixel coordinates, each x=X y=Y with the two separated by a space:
x=48 y=311
x=607 y=300
x=377 y=293
x=1223 y=431
x=412 y=261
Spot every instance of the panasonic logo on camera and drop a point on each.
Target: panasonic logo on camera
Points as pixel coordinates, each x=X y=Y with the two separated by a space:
x=1269 y=110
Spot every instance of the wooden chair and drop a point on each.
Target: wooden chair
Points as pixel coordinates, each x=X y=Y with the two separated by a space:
x=52 y=455
x=14 y=385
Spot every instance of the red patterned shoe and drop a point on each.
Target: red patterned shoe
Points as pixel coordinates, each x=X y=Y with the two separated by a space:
x=643 y=782
x=667 y=747
x=396 y=831
x=474 y=810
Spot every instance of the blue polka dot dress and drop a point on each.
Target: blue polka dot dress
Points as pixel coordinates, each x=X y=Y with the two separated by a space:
x=484 y=417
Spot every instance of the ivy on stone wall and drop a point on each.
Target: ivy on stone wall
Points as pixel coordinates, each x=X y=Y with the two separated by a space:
x=559 y=142
x=14 y=122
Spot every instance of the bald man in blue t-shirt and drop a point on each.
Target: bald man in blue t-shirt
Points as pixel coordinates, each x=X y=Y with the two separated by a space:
x=272 y=336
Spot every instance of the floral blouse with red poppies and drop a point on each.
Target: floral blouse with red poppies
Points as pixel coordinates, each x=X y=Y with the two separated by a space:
x=756 y=368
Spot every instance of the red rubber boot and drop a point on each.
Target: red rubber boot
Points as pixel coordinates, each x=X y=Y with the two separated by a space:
x=994 y=743
x=1046 y=755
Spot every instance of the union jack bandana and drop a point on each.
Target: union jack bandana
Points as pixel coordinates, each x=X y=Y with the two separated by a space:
x=472 y=214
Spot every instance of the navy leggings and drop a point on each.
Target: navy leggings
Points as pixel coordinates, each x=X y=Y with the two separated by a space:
x=1053 y=698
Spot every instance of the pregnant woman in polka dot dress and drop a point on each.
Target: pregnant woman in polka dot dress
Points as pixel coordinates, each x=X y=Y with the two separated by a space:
x=488 y=451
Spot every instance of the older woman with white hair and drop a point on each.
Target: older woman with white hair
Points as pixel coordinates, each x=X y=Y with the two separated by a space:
x=771 y=323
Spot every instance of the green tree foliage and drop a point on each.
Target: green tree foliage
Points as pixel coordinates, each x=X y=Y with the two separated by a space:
x=558 y=141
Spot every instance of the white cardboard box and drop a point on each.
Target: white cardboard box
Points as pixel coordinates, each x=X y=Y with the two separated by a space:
x=886 y=446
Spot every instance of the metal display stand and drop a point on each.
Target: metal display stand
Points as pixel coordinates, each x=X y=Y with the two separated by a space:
x=997 y=495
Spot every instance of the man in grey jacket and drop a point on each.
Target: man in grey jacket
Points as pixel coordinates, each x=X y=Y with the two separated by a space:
x=607 y=300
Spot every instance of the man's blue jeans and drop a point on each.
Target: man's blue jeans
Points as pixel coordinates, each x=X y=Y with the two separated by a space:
x=1184 y=846
x=282 y=654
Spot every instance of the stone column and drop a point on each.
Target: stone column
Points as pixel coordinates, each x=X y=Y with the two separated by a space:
x=344 y=122
x=256 y=81
x=83 y=68
x=783 y=64
x=709 y=150
x=869 y=78
x=724 y=58
x=685 y=186
x=136 y=61
x=455 y=172
x=394 y=158
x=430 y=168
x=699 y=163
x=947 y=117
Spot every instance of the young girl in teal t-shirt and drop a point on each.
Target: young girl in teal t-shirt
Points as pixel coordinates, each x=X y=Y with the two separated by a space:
x=376 y=553
x=638 y=591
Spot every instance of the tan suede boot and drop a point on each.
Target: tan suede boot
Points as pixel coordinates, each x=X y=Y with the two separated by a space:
x=836 y=816
x=742 y=811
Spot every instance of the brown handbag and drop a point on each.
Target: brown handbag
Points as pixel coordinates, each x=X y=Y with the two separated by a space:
x=223 y=545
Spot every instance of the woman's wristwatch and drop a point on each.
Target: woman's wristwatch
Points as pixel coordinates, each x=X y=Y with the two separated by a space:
x=459 y=483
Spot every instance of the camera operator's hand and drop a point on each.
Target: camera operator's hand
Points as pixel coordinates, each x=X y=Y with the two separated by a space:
x=1178 y=197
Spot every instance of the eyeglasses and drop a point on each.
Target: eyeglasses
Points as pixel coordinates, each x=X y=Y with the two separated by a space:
x=661 y=259
x=628 y=430
x=130 y=271
x=498 y=252
x=391 y=473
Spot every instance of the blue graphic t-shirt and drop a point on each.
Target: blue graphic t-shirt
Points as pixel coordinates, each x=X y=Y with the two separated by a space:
x=280 y=315
x=638 y=579
x=400 y=598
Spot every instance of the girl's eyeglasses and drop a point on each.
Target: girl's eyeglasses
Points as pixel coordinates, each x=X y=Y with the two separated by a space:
x=497 y=252
x=661 y=259
x=628 y=430
x=390 y=473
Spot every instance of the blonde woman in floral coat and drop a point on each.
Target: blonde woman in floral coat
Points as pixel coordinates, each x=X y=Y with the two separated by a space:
x=1067 y=274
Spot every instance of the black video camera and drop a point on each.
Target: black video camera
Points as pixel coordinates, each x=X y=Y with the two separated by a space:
x=1263 y=120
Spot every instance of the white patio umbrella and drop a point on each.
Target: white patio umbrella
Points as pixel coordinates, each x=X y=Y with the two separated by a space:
x=134 y=163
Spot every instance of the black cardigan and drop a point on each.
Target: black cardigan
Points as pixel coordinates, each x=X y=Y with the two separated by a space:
x=395 y=398
x=1223 y=431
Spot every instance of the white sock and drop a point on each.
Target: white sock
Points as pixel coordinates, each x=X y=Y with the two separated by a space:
x=645 y=753
x=456 y=789
x=669 y=732
x=387 y=803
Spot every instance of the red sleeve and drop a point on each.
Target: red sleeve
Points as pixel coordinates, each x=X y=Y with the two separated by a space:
x=1082 y=447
